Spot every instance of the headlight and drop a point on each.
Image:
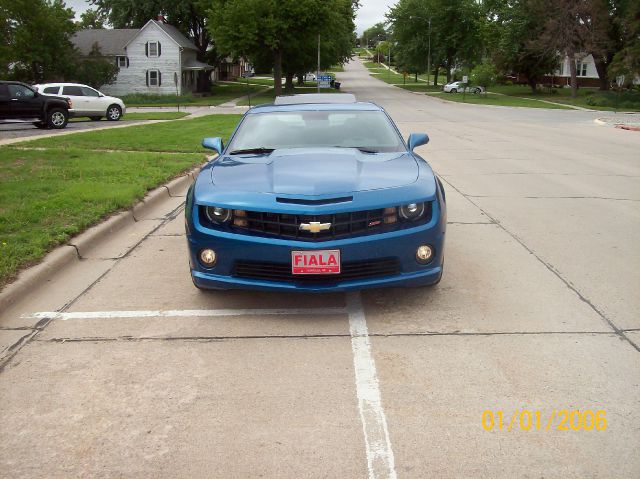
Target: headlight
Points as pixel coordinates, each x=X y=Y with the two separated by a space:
x=218 y=215
x=412 y=211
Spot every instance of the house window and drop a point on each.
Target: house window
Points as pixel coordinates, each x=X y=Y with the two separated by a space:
x=153 y=49
x=122 y=62
x=153 y=77
x=581 y=69
x=561 y=69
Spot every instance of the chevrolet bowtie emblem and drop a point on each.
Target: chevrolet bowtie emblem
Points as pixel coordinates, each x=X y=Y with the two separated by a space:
x=315 y=226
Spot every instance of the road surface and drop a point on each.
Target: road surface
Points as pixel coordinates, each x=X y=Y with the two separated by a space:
x=135 y=373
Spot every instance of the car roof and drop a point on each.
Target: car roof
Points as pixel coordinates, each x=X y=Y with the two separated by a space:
x=358 y=106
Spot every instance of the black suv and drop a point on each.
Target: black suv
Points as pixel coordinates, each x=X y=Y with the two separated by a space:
x=19 y=101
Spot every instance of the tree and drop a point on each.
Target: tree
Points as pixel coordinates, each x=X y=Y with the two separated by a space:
x=484 y=75
x=95 y=70
x=627 y=60
x=91 y=19
x=38 y=35
x=512 y=37
x=276 y=29
x=455 y=28
x=371 y=36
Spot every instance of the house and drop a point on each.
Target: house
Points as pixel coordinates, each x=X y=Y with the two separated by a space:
x=155 y=59
x=586 y=72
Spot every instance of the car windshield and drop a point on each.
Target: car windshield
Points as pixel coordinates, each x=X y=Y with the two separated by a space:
x=370 y=131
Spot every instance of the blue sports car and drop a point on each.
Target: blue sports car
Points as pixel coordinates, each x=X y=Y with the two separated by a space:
x=316 y=193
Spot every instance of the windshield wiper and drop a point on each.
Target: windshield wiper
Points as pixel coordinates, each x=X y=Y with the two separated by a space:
x=363 y=149
x=259 y=150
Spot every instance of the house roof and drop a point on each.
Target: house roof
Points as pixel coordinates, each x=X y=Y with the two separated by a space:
x=114 y=41
x=111 y=42
x=176 y=35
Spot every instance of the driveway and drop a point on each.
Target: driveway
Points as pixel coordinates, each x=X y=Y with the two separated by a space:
x=119 y=367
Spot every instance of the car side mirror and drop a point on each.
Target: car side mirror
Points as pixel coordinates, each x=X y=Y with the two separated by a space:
x=417 y=139
x=213 y=144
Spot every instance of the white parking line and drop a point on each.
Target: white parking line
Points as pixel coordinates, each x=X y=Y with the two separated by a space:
x=380 y=458
x=181 y=313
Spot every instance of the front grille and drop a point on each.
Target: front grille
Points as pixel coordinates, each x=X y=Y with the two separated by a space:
x=349 y=271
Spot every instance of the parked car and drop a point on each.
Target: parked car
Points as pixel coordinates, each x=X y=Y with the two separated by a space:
x=316 y=192
x=21 y=102
x=87 y=101
x=310 y=77
x=458 y=86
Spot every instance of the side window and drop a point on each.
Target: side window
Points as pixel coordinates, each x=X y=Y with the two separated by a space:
x=122 y=62
x=153 y=49
x=20 y=92
x=51 y=90
x=4 y=91
x=86 y=91
x=72 y=90
x=153 y=78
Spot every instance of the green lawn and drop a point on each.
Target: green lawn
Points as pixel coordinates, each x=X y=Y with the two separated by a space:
x=590 y=98
x=497 y=100
x=47 y=196
x=221 y=92
x=183 y=136
x=53 y=188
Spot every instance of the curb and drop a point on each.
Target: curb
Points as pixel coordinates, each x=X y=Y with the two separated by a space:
x=77 y=246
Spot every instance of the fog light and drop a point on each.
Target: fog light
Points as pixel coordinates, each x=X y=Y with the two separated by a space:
x=208 y=257
x=424 y=254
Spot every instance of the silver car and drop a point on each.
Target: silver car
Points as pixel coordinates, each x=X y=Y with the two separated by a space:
x=86 y=101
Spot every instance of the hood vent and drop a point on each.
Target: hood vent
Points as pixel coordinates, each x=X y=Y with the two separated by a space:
x=326 y=201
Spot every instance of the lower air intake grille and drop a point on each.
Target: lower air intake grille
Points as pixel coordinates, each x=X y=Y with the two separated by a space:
x=350 y=271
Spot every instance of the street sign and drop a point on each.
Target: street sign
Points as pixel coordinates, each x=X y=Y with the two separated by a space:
x=324 y=81
x=465 y=79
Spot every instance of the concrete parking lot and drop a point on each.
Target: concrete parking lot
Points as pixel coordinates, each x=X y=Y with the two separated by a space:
x=119 y=367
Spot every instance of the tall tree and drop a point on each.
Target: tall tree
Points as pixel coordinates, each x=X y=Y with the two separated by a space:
x=455 y=27
x=38 y=34
x=92 y=19
x=371 y=36
x=512 y=36
x=627 y=60
x=259 y=28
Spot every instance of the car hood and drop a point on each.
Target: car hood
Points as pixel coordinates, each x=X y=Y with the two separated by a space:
x=323 y=171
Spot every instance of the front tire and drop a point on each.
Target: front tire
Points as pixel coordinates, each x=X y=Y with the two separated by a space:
x=57 y=118
x=477 y=91
x=114 y=113
x=453 y=90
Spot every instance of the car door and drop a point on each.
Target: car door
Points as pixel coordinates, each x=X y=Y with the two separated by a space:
x=79 y=101
x=94 y=100
x=25 y=105
x=5 y=103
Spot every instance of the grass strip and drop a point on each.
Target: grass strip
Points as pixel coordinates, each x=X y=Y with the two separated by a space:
x=171 y=136
x=498 y=100
x=47 y=196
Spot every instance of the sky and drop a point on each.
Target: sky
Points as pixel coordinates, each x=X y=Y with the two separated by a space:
x=370 y=12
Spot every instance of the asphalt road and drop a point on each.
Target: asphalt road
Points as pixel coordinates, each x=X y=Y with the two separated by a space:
x=141 y=375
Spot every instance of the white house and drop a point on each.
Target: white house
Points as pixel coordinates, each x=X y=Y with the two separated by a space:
x=585 y=71
x=155 y=59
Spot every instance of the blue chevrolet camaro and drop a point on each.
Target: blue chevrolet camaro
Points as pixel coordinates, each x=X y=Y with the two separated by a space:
x=316 y=193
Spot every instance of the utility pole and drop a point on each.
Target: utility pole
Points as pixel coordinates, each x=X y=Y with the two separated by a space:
x=389 y=62
x=429 y=56
x=318 y=69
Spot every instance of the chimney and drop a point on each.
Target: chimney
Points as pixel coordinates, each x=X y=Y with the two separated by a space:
x=161 y=18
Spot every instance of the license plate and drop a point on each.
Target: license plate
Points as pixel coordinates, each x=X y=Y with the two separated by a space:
x=315 y=262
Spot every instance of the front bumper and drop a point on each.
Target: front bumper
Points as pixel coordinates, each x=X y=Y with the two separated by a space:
x=399 y=245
